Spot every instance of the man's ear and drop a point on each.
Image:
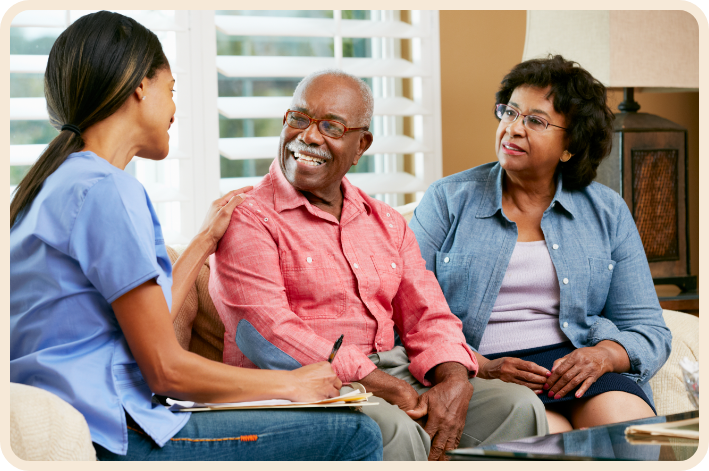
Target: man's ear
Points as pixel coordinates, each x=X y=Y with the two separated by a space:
x=365 y=140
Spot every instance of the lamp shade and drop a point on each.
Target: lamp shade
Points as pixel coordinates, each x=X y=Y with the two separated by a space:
x=621 y=48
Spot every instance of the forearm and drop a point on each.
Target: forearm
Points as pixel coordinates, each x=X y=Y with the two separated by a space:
x=186 y=269
x=188 y=376
x=384 y=385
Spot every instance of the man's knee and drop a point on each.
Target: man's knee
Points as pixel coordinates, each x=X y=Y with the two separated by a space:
x=512 y=411
x=404 y=439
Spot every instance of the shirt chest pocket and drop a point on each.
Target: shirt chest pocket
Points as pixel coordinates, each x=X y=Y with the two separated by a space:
x=389 y=269
x=601 y=274
x=453 y=274
x=314 y=288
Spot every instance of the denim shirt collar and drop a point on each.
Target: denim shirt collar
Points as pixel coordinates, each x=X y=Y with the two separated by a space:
x=491 y=201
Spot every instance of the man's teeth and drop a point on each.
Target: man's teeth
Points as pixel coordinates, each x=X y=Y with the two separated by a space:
x=308 y=159
x=516 y=149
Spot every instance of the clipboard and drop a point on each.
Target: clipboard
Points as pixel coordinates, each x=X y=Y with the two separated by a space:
x=358 y=397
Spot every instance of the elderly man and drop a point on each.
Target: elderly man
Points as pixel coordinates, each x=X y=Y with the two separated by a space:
x=310 y=257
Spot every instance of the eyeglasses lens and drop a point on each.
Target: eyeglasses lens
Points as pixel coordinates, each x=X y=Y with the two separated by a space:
x=302 y=121
x=509 y=115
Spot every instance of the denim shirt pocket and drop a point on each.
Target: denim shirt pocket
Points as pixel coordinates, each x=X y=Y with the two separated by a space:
x=601 y=273
x=453 y=273
x=304 y=270
x=389 y=270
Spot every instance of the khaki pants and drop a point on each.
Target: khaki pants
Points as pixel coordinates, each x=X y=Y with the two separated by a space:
x=498 y=412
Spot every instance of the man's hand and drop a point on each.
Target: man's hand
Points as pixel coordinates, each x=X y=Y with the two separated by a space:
x=446 y=405
x=393 y=390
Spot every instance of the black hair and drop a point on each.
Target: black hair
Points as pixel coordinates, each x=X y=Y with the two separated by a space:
x=93 y=67
x=582 y=100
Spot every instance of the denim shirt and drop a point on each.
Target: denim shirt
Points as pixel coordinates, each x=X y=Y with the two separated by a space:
x=606 y=290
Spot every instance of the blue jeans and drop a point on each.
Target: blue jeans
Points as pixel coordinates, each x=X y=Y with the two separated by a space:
x=263 y=435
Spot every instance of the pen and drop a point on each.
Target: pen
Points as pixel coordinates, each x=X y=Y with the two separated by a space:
x=335 y=348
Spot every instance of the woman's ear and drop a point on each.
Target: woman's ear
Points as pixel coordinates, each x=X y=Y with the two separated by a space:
x=140 y=92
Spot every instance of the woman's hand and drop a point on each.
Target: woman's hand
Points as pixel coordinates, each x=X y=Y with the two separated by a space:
x=219 y=215
x=582 y=367
x=514 y=370
x=314 y=383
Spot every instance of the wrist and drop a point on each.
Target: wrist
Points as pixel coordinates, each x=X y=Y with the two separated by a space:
x=204 y=244
x=609 y=357
x=450 y=371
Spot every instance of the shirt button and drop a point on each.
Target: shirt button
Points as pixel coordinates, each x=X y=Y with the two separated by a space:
x=555 y=246
x=393 y=265
x=565 y=281
x=388 y=215
x=391 y=225
x=258 y=210
x=265 y=219
x=446 y=260
x=251 y=204
x=356 y=266
x=566 y=324
x=610 y=267
x=309 y=260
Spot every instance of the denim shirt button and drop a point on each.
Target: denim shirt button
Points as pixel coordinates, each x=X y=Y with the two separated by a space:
x=565 y=281
x=446 y=260
x=565 y=325
x=610 y=267
x=555 y=246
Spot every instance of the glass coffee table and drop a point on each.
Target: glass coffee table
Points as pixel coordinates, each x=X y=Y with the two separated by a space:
x=607 y=442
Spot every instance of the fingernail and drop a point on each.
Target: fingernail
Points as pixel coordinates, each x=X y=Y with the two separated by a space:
x=546 y=386
x=558 y=396
x=538 y=391
x=548 y=374
x=551 y=394
x=578 y=394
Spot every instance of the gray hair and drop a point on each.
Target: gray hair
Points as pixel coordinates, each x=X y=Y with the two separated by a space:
x=364 y=90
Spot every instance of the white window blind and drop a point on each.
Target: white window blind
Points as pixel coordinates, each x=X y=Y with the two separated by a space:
x=235 y=74
x=261 y=58
x=175 y=184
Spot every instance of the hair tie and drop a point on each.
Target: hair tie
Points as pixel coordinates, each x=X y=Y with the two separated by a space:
x=72 y=128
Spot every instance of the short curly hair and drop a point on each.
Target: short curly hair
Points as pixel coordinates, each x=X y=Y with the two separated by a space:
x=582 y=100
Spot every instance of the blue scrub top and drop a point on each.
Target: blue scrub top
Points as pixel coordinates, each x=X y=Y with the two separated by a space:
x=90 y=236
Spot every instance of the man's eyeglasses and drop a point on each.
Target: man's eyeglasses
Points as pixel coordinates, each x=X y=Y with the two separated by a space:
x=327 y=127
x=508 y=114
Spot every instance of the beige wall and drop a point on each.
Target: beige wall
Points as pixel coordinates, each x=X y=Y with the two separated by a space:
x=473 y=62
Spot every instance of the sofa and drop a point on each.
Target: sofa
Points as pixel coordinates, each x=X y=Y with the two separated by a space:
x=44 y=427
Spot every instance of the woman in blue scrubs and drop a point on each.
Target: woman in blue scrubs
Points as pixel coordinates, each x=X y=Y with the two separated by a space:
x=93 y=293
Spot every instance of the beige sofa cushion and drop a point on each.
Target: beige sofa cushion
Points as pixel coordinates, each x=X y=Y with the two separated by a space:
x=44 y=427
x=198 y=326
x=667 y=385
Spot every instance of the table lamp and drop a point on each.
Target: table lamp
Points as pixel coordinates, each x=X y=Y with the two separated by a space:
x=654 y=51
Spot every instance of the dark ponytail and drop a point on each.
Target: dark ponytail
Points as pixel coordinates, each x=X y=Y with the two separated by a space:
x=93 y=67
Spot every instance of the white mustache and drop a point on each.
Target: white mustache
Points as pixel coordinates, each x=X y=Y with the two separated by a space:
x=298 y=146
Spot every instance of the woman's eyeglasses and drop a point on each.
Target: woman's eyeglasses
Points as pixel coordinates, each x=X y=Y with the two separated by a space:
x=327 y=127
x=508 y=114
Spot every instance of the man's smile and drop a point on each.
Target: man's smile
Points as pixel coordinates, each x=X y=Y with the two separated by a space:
x=308 y=159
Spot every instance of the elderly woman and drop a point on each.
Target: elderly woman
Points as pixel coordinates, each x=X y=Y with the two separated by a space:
x=544 y=266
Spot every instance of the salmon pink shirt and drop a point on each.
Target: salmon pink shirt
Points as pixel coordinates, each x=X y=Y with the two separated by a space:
x=288 y=279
